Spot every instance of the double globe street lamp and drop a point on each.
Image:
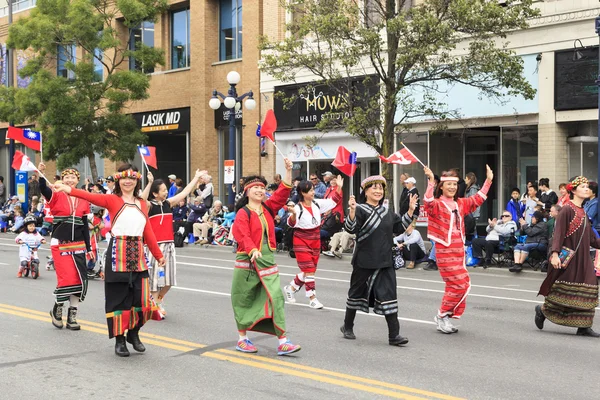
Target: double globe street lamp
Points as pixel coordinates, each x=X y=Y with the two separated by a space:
x=233 y=102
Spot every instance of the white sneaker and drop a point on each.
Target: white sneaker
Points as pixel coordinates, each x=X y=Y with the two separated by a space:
x=328 y=253
x=289 y=294
x=186 y=240
x=444 y=325
x=316 y=304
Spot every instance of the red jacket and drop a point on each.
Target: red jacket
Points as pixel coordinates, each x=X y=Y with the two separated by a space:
x=339 y=208
x=248 y=232
x=113 y=204
x=442 y=221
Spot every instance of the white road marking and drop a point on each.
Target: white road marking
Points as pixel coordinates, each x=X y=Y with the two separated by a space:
x=304 y=305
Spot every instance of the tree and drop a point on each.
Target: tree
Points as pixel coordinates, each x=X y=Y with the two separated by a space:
x=407 y=51
x=81 y=112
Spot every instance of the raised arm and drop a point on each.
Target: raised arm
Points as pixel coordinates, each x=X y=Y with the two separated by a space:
x=281 y=195
x=186 y=190
x=44 y=189
x=146 y=192
x=350 y=224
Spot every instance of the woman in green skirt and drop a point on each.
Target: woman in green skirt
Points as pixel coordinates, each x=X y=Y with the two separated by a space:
x=256 y=293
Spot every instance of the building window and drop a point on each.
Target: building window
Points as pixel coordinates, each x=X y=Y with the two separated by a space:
x=141 y=34
x=230 y=29
x=180 y=39
x=65 y=54
x=373 y=12
x=98 y=66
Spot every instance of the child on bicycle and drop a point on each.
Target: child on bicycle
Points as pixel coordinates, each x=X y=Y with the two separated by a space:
x=29 y=239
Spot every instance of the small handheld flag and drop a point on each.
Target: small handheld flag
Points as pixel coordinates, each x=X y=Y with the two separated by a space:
x=148 y=154
x=29 y=138
x=345 y=161
x=269 y=125
x=403 y=157
x=22 y=163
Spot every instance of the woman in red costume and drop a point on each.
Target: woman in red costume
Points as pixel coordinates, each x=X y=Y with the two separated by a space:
x=69 y=244
x=446 y=228
x=127 y=289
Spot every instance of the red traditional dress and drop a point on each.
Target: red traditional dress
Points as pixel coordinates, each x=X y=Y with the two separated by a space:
x=307 y=239
x=127 y=289
x=160 y=216
x=70 y=242
x=446 y=227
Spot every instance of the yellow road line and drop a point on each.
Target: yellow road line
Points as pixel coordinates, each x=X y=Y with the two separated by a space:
x=284 y=367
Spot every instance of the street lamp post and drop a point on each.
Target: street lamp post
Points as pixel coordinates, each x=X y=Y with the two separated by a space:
x=233 y=102
x=598 y=83
x=10 y=82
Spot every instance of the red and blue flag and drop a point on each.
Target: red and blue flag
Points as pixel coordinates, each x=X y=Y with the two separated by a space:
x=345 y=161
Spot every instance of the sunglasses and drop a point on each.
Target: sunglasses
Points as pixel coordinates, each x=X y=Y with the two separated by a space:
x=314 y=179
x=506 y=216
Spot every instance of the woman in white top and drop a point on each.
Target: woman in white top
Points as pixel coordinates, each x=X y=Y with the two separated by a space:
x=305 y=218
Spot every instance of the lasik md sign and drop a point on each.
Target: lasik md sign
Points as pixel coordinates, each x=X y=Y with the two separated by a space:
x=167 y=120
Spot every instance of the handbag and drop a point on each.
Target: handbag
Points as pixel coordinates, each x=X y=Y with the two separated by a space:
x=566 y=254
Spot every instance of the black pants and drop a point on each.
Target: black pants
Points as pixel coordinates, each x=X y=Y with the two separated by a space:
x=412 y=253
x=489 y=245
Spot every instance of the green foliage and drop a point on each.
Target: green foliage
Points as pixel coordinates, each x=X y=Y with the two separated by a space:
x=82 y=116
x=410 y=51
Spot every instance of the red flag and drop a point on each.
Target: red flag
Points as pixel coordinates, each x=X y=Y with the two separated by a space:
x=402 y=156
x=149 y=155
x=345 y=161
x=29 y=138
x=22 y=163
x=269 y=126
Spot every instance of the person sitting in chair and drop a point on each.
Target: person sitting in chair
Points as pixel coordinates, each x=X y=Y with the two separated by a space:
x=496 y=228
x=537 y=239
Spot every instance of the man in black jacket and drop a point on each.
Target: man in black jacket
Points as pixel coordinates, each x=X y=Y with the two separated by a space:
x=548 y=198
x=410 y=188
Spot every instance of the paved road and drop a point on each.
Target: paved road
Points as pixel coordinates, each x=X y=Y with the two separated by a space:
x=497 y=354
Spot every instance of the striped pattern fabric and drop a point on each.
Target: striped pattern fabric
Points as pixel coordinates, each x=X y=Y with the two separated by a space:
x=69 y=248
x=571 y=304
x=307 y=246
x=142 y=310
x=128 y=254
x=374 y=288
x=372 y=223
x=452 y=267
x=69 y=219
x=71 y=278
x=168 y=251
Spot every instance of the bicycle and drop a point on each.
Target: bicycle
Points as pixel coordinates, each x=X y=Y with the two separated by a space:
x=33 y=264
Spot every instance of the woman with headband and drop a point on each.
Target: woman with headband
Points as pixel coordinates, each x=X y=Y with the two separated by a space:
x=69 y=244
x=373 y=280
x=571 y=287
x=128 y=302
x=255 y=291
x=446 y=227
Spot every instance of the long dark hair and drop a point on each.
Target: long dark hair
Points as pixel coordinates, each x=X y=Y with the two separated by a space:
x=243 y=201
x=303 y=187
x=156 y=187
x=138 y=185
x=472 y=179
x=447 y=174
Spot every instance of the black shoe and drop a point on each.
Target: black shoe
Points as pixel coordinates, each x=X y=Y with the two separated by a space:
x=398 y=341
x=480 y=263
x=348 y=333
x=121 y=346
x=91 y=274
x=516 y=268
x=539 y=317
x=133 y=337
x=587 y=332
x=72 y=319
x=487 y=264
x=432 y=266
x=56 y=315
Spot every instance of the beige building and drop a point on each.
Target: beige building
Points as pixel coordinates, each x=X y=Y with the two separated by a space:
x=203 y=41
x=553 y=136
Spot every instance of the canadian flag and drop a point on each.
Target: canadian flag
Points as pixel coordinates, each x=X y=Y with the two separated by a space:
x=402 y=157
x=22 y=163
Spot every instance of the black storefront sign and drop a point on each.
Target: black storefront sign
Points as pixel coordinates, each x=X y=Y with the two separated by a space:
x=222 y=117
x=312 y=102
x=575 y=75
x=177 y=119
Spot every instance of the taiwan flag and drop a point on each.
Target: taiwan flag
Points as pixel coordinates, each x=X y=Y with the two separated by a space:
x=269 y=126
x=29 y=138
x=345 y=161
x=148 y=153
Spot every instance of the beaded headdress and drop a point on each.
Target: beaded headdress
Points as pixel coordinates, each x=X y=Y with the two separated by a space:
x=371 y=180
x=127 y=174
x=252 y=183
x=70 y=171
x=576 y=182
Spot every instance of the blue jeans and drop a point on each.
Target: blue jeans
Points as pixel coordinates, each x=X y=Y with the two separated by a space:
x=432 y=252
x=527 y=247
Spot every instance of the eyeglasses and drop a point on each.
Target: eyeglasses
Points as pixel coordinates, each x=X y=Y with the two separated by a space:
x=506 y=216
x=314 y=179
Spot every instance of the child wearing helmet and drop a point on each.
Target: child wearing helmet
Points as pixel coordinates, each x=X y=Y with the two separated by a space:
x=28 y=239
